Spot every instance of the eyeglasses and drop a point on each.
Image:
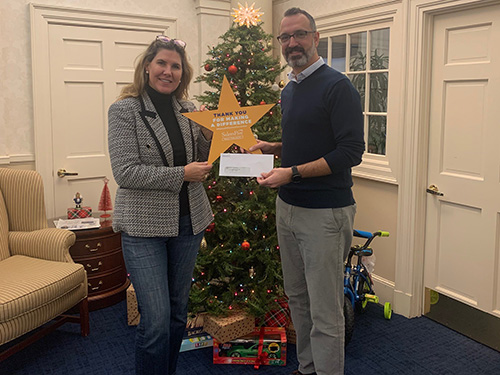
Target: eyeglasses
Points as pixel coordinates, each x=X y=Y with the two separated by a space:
x=298 y=35
x=166 y=39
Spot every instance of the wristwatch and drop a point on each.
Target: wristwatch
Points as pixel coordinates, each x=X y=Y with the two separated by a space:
x=296 y=176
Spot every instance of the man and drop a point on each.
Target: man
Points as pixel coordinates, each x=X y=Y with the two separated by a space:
x=322 y=138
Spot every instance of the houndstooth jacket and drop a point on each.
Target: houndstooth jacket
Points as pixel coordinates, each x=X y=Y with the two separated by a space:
x=147 y=200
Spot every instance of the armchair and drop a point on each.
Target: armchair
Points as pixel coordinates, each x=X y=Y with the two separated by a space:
x=39 y=281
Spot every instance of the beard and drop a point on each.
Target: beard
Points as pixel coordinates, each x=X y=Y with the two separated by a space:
x=299 y=61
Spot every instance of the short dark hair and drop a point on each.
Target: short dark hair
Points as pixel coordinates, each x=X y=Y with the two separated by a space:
x=294 y=11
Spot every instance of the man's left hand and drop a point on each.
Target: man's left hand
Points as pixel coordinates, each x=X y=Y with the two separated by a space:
x=276 y=177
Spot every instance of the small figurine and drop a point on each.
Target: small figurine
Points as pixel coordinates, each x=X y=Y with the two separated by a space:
x=78 y=200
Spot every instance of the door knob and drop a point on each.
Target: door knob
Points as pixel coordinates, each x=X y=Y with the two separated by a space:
x=62 y=173
x=434 y=190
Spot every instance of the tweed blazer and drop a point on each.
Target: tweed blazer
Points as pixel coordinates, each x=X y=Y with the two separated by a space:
x=147 y=200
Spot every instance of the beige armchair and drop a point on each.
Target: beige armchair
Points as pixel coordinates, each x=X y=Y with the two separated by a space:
x=39 y=281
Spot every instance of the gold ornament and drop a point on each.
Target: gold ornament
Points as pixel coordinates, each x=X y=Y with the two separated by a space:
x=246 y=15
x=203 y=244
x=251 y=272
x=281 y=84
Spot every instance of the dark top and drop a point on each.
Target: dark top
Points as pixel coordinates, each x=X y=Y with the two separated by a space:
x=163 y=106
x=322 y=117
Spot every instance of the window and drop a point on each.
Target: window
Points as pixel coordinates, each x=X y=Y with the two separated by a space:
x=363 y=73
x=363 y=55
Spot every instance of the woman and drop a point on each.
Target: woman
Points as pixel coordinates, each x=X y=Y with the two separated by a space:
x=161 y=207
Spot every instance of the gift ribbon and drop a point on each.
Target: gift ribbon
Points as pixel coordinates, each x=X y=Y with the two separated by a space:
x=260 y=356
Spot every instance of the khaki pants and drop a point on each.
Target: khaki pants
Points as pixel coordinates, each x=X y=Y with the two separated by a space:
x=313 y=245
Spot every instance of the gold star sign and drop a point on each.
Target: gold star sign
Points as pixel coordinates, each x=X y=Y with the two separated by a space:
x=247 y=15
x=230 y=122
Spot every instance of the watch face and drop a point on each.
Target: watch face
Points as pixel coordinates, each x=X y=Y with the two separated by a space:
x=296 y=177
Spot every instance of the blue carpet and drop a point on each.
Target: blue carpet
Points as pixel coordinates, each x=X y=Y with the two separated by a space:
x=400 y=346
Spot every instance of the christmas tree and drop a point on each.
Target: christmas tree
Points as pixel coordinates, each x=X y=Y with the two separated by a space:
x=238 y=264
x=105 y=203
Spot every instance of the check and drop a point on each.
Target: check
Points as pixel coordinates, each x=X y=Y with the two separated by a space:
x=245 y=165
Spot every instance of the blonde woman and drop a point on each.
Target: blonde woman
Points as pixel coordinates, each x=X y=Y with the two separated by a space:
x=158 y=159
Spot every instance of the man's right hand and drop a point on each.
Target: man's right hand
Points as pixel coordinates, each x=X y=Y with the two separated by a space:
x=267 y=147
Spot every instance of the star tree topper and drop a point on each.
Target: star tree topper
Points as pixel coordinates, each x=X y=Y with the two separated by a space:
x=247 y=15
x=230 y=123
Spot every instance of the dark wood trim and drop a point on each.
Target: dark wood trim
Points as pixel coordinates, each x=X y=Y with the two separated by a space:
x=83 y=320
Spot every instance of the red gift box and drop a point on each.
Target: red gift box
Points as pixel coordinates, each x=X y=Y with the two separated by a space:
x=279 y=316
x=265 y=346
x=79 y=213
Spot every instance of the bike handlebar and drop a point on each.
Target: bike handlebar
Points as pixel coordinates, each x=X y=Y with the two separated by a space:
x=365 y=234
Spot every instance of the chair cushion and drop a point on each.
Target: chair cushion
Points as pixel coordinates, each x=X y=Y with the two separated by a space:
x=28 y=283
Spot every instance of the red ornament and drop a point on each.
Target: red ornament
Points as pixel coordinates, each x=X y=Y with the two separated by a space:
x=105 y=201
x=208 y=67
x=232 y=69
x=245 y=245
x=210 y=227
x=262 y=102
x=218 y=198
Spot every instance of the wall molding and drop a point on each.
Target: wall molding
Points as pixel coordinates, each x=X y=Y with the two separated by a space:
x=384 y=289
x=213 y=7
x=17 y=158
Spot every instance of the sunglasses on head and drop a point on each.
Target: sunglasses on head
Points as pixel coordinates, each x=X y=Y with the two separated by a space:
x=166 y=39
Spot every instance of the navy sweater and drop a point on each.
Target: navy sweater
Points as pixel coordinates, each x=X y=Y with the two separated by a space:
x=322 y=117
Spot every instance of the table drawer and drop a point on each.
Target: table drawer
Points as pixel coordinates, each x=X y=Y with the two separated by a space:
x=95 y=246
x=104 y=263
x=101 y=283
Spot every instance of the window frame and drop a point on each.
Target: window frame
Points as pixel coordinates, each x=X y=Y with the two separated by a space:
x=377 y=167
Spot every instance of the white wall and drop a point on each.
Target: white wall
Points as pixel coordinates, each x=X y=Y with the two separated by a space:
x=377 y=202
x=16 y=99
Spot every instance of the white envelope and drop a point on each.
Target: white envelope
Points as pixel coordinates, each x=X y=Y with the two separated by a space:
x=245 y=165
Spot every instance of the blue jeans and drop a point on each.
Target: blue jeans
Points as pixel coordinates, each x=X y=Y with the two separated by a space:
x=161 y=270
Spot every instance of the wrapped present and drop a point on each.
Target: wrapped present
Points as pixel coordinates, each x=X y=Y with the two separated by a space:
x=133 y=316
x=194 y=326
x=265 y=346
x=279 y=316
x=79 y=213
x=291 y=336
x=197 y=342
x=227 y=328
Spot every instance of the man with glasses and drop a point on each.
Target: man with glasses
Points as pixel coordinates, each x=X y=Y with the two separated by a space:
x=322 y=138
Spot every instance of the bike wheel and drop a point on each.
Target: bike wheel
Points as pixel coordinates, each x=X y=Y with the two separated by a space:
x=349 y=320
x=387 y=310
x=363 y=288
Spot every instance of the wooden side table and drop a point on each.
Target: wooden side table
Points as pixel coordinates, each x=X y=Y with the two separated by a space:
x=100 y=252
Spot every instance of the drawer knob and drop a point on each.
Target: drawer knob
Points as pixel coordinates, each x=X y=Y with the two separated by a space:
x=87 y=246
x=93 y=288
x=96 y=268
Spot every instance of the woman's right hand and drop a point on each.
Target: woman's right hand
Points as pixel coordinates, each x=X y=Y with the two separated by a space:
x=197 y=171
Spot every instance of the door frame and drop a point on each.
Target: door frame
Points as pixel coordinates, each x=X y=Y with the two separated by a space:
x=409 y=278
x=41 y=17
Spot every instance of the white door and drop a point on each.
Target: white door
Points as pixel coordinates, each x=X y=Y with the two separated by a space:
x=88 y=68
x=462 y=256
x=80 y=60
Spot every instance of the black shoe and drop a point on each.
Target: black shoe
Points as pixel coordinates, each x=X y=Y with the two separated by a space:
x=297 y=372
